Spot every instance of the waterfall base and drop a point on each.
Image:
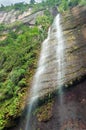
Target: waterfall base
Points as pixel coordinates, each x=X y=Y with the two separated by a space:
x=73 y=113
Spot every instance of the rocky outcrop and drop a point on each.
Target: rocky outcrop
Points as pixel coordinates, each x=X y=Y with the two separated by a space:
x=73 y=64
x=54 y=11
x=74 y=28
x=66 y=111
x=31 y=19
x=16 y=16
x=12 y=16
x=68 y=106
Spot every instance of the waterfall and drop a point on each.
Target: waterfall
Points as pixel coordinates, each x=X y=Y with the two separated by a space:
x=60 y=53
x=60 y=56
x=41 y=68
x=37 y=78
x=51 y=63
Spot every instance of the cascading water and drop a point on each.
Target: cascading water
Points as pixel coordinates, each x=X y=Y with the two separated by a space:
x=60 y=53
x=63 y=110
x=37 y=78
x=60 y=58
x=61 y=65
x=50 y=72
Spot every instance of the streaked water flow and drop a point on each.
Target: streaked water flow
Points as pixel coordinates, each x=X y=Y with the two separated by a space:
x=60 y=52
x=37 y=78
x=47 y=50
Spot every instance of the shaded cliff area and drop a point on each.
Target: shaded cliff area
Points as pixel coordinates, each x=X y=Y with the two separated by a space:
x=71 y=113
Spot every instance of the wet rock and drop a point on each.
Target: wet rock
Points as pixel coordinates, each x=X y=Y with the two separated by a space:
x=54 y=11
x=44 y=113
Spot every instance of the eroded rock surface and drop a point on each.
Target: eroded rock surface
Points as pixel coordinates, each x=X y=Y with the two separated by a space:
x=69 y=108
x=15 y=16
x=73 y=64
x=52 y=115
x=74 y=28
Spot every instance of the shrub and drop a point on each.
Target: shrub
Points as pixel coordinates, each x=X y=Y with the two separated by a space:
x=22 y=83
x=17 y=75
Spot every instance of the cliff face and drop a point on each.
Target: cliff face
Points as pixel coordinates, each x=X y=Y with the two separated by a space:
x=65 y=110
x=73 y=56
x=68 y=113
x=74 y=28
x=17 y=16
x=12 y=16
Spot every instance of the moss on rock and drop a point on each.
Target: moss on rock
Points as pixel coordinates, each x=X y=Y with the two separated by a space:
x=44 y=112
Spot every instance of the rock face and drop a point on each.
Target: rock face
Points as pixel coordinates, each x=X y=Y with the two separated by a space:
x=12 y=16
x=74 y=27
x=73 y=64
x=68 y=115
x=15 y=16
x=31 y=18
x=54 y=11
x=52 y=115
x=68 y=109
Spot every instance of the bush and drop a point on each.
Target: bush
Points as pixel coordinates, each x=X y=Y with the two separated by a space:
x=22 y=83
x=17 y=75
x=3 y=76
x=19 y=54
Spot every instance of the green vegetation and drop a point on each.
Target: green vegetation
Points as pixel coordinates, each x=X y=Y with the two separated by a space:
x=18 y=59
x=19 y=6
x=19 y=53
x=32 y=1
x=61 y=4
x=82 y=2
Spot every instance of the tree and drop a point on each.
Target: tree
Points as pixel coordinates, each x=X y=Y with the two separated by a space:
x=2 y=5
x=32 y=1
x=73 y=3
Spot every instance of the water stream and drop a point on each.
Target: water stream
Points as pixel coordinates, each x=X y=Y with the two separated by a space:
x=61 y=66
x=60 y=53
x=37 y=78
x=52 y=48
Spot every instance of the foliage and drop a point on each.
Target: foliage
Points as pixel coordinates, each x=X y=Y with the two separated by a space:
x=66 y=4
x=2 y=27
x=32 y=1
x=82 y=2
x=61 y=4
x=43 y=22
x=19 y=6
x=19 y=53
